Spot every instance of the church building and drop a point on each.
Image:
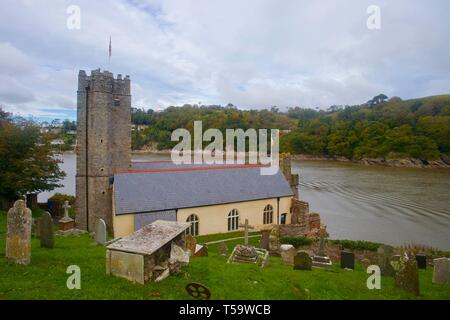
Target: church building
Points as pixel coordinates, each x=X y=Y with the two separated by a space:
x=129 y=195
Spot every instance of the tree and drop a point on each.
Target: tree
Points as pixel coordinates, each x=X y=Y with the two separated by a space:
x=68 y=125
x=28 y=162
x=381 y=98
x=4 y=115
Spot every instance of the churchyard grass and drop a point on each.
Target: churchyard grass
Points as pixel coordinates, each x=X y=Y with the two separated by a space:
x=45 y=277
x=223 y=236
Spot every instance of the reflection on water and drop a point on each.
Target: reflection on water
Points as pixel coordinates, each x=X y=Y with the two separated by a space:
x=392 y=205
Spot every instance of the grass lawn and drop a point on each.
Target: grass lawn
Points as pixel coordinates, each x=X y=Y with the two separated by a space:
x=46 y=277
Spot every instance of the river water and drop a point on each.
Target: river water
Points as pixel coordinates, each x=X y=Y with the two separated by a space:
x=390 y=205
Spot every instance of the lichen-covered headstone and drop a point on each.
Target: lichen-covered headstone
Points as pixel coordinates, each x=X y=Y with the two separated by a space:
x=302 y=261
x=441 y=272
x=190 y=243
x=407 y=275
x=100 y=232
x=274 y=241
x=18 y=236
x=222 y=249
x=47 y=233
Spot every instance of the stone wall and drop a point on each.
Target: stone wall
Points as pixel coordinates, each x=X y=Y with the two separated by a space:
x=300 y=211
x=293 y=179
x=103 y=143
x=292 y=230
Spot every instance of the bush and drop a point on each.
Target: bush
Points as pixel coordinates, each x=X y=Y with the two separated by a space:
x=357 y=245
x=297 y=241
x=59 y=197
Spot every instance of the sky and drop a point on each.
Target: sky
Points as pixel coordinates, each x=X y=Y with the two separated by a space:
x=253 y=53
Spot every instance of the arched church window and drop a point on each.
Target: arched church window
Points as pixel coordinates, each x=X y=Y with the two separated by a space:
x=193 y=229
x=268 y=214
x=233 y=220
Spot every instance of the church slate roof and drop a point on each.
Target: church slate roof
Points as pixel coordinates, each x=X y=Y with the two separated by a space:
x=161 y=186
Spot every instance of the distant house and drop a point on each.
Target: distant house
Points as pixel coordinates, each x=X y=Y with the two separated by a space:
x=57 y=142
x=140 y=127
x=44 y=130
x=71 y=132
x=55 y=130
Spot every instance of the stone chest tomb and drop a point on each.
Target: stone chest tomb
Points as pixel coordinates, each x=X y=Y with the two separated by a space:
x=148 y=253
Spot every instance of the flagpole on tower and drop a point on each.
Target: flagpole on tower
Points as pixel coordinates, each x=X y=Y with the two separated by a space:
x=110 y=52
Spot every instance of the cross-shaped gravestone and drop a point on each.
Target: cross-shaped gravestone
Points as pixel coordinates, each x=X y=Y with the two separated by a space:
x=322 y=236
x=246 y=226
x=66 y=223
x=66 y=207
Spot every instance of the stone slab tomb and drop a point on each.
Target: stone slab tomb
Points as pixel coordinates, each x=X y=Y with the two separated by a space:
x=249 y=254
x=149 y=254
x=18 y=235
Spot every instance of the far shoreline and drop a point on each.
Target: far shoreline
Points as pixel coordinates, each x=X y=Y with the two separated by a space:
x=400 y=163
x=380 y=162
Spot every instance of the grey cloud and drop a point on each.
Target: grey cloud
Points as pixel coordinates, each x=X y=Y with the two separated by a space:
x=251 y=53
x=13 y=92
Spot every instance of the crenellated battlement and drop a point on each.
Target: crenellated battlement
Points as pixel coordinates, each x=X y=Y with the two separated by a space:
x=104 y=81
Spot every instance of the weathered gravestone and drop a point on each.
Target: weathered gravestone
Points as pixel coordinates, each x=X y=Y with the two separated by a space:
x=274 y=241
x=265 y=239
x=441 y=272
x=18 y=236
x=246 y=226
x=365 y=263
x=222 y=249
x=385 y=254
x=407 y=275
x=47 y=235
x=421 y=261
x=36 y=227
x=302 y=261
x=190 y=243
x=347 y=260
x=287 y=252
x=100 y=232
x=321 y=260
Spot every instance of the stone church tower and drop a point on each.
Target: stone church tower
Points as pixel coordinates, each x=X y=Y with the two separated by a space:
x=103 y=143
